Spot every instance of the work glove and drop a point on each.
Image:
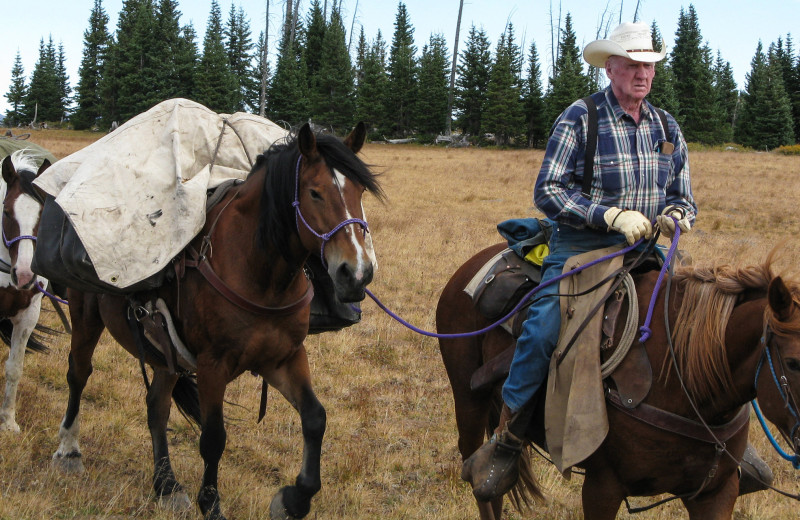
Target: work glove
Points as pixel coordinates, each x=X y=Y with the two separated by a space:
x=667 y=225
x=630 y=223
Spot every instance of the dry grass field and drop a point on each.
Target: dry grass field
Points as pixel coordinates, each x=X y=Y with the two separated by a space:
x=390 y=448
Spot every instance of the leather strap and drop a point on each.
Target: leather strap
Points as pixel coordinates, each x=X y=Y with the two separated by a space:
x=202 y=265
x=680 y=425
x=591 y=146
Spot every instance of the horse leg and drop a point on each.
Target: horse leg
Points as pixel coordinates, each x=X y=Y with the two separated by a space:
x=211 y=383
x=715 y=506
x=87 y=327
x=23 y=325
x=293 y=381
x=170 y=493
x=601 y=494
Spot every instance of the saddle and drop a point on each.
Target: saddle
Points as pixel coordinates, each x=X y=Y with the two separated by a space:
x=497 y=289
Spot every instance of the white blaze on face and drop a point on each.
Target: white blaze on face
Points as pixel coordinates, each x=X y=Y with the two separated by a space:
x=364 y=252
x=26 y=210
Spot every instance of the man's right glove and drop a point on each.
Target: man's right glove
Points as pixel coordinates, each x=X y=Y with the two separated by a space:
x=667 y=225
x=630 y=223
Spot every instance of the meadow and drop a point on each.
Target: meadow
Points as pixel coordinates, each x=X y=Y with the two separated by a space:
x=390 y=447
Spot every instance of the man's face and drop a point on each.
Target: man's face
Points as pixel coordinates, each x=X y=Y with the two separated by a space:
x=630 y=80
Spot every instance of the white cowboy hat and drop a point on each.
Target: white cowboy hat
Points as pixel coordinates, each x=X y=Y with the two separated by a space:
x=631 y=40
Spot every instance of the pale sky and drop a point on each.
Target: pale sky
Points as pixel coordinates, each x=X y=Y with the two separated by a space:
x=732 y=27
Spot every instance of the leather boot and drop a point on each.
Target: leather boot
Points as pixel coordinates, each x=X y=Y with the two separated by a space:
x=754 y=474
x=494 y=467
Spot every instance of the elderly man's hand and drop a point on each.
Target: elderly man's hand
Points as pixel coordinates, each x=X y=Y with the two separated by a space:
x=630 y=223
x=666 y=223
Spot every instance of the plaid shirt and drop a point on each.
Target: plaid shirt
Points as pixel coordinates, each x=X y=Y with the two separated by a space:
x=629 y=170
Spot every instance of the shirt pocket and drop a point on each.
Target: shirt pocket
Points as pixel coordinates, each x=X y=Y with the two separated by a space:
x=612 y=176
x=664 y=162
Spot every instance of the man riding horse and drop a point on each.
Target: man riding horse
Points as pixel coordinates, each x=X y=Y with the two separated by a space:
x=640 y=176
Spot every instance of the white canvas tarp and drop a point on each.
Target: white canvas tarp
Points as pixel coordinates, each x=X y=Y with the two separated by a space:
x=137 y=196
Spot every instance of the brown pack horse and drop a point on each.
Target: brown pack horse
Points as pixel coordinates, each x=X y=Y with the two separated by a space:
x=247 y=308
x=737 y=315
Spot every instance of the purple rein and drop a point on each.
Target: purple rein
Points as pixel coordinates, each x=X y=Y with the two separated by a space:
x=325 y=237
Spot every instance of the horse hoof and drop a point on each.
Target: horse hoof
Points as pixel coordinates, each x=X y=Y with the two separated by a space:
x=9 y=425
x=177 y=502
x=71 y=463
x=277 y=511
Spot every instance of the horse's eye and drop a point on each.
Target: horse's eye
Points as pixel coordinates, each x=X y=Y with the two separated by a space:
x=315 y=195
x=793 y=364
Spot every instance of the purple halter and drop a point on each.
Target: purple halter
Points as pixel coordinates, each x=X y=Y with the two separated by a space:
x=13 y=241
x=326 y=236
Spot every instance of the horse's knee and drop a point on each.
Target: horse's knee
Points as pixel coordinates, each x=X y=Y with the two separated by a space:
x=314 y=419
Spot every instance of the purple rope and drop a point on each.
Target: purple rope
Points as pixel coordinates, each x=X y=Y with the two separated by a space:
x=51 y=296
x=645 y=329
x=11 y=242
x=513 y=311
x=326 y=236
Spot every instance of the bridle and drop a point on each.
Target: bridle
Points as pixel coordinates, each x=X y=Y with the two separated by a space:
x=785 y=391
x=325 y=237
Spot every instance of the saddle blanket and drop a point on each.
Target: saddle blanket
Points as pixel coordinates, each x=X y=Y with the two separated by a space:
x=137 y=196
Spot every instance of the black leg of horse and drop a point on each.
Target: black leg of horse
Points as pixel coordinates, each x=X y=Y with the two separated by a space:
x=212 y=440
x=169 y=492
x=87 y=328
x=294 y=382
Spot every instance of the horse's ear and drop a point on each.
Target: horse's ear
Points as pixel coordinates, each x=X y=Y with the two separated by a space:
x=307 y=143
x=780 y=299
x=8 y=170
x=355 y=139
x=45 y=165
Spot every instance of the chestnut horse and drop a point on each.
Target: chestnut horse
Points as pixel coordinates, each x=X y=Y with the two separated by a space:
x=245 y=307
x=20 y=299
x=739 y=315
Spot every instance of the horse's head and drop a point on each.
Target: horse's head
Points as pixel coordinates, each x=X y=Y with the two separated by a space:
x=331 y=180
x=778 y=380
x=22 y=207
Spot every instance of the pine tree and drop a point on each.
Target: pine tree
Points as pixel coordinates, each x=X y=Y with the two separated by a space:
x=217 y=88
x=133 y=61
x=727 y=98
x=362 y=48
x=504 y=116
x=662 y=93
x=167 y=50
x=569 y=81
x=259 y=69
x=44 y=99
x=16 y=94
x=95 y=46
x=240 y=57
x=288 y=90
x=434 y=76
x=332 y=100
x=315 y=37
x=401 y=91
x=64 y=89
x=766 y=119
x=533 y=101
x=187 y=57
x=698 y=115
x=372 y=86
x=784 y=55
x=474 y=69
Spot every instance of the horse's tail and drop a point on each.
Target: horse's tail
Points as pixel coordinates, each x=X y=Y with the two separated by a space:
x=36 y=340
x=186 y=398
x=526 y=491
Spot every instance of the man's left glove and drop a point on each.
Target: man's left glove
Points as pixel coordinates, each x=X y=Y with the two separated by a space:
x=667 y=225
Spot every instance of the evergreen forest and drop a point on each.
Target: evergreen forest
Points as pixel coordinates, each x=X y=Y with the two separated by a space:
x=401 y=86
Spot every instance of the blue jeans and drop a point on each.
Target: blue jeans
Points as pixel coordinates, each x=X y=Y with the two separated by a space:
x=539 y=335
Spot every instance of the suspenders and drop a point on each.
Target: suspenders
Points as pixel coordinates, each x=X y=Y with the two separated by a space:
x=591 y=142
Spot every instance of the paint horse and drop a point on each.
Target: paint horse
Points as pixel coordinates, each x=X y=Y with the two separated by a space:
x=20 y=300
x=242 y=305
x=733 y=329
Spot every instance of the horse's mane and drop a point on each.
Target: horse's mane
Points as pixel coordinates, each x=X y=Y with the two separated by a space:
x=709 y=297
x=277 y=219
